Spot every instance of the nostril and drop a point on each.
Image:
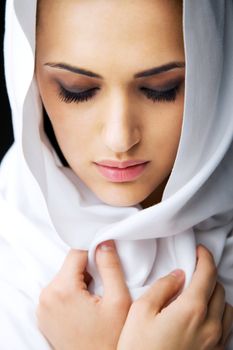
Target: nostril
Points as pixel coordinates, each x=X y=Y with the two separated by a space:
x=121 y=141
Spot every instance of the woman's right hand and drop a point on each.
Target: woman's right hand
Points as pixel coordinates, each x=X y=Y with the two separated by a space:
x=70 y=317
x=198 y=318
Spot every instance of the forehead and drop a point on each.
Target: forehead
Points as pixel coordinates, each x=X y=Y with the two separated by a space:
x=139 y=29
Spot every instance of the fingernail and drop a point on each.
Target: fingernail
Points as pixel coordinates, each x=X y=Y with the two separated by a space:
x=106 y=246
x=178 y=273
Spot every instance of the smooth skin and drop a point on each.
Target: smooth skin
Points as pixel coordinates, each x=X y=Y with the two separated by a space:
x=117 y=40
x=71 y=318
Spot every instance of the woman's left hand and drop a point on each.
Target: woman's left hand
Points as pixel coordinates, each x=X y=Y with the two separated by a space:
x=71 y=318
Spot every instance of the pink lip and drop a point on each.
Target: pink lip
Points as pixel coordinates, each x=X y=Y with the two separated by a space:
x=122 y=174
x=124 y=164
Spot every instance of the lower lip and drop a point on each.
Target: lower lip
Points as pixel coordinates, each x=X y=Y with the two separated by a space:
x=121 y=174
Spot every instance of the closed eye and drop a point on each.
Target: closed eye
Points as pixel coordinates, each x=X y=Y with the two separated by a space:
x=161 y=96
x=70 y=96
x=83 y=96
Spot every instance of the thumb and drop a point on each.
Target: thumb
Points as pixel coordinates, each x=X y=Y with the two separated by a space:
x=163 y=290
x=111 y=272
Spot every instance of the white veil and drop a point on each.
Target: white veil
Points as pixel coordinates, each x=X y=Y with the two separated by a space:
x=54 y=210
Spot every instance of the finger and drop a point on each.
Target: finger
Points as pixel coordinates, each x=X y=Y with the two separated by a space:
x=111 y=271
x=205 y=275
x=87 y=278
x=73 y=271
x=227 y=323
x=163 y=290
x=216 y=304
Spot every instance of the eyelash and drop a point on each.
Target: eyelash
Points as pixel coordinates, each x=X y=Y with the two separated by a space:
x=69 y=96
x=159 y=96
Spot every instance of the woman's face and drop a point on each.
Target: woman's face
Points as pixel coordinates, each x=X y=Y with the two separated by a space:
x=90 y=64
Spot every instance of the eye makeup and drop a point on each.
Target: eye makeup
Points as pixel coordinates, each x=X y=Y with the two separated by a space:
x=68 y=96
x=166 y=93
x=163 y=94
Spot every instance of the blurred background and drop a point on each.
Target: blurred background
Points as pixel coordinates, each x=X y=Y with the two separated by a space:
x=6 y=134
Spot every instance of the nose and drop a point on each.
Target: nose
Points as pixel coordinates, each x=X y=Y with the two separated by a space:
x=120 y=130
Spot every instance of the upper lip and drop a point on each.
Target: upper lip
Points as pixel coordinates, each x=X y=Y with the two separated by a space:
x=117 y=164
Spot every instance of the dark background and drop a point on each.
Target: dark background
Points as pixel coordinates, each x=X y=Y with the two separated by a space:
x=6 y=133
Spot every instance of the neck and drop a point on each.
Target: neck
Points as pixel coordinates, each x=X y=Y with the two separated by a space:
x=156 y=196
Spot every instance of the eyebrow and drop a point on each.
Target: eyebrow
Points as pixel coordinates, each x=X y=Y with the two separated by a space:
x=152 y=71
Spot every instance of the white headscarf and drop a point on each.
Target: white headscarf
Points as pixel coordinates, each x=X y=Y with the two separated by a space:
x=49 y=209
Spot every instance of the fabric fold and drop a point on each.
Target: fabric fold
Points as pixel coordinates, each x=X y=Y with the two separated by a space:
x=56 y=211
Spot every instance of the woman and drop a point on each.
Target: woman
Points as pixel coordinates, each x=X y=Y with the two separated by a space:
x=110 y=76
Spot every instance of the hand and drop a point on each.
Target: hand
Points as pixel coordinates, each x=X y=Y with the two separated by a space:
x=71 y=318
x=198 y=318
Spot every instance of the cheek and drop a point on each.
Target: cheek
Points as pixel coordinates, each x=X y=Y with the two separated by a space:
x=75 y=134
x=167 y=124
x=74 y=130
x=164 y=134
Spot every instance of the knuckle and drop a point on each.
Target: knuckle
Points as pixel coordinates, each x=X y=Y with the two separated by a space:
x=74 y=257
x=54 y=294
x=195 y=310
x=199 y=310
x=45 y=298
x=122 y=302
x=63 y=295
x=212 y=334
x=59 y=293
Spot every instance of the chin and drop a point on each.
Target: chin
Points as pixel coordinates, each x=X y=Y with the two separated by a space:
x=118 y=203
x=120 y=198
